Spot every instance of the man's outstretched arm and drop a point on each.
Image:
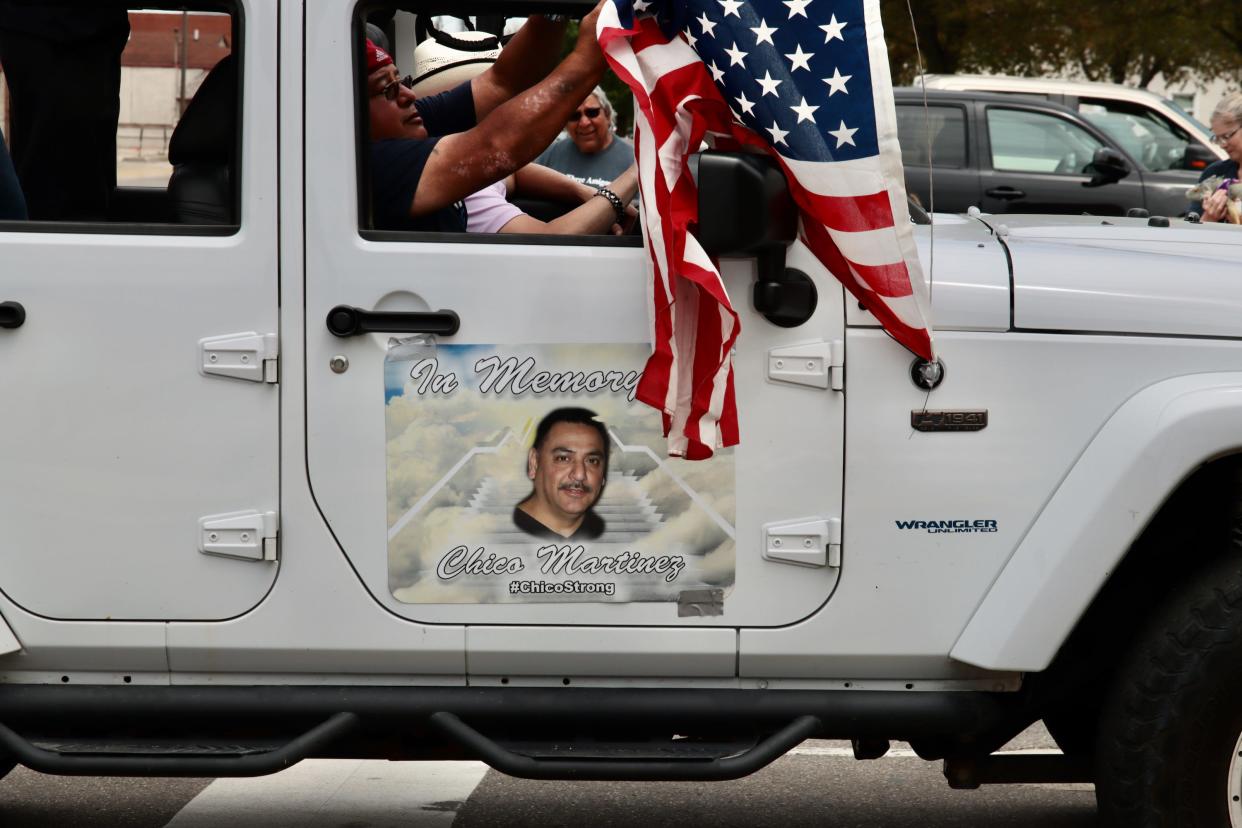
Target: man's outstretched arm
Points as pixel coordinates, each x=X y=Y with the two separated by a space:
x=514 y=133
x=526 y=60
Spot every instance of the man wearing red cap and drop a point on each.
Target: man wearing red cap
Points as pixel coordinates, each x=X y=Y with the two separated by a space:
x=428 y=154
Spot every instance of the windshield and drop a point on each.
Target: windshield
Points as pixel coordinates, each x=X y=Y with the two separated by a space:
x=1176 y=107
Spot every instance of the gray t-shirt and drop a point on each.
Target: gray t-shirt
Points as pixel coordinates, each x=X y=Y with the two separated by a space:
x=598 y=170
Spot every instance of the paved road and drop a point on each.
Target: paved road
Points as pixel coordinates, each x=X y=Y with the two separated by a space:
x=819 y=785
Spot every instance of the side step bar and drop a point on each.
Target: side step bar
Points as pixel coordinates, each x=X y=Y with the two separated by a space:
x=611 y=770
x=254 y=764
x=362 y=720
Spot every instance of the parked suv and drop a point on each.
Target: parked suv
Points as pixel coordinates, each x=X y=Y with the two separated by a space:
x=1012 y=154
x=1171 y=138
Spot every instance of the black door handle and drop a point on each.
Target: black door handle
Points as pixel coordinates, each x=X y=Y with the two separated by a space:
x=1006 y=193
x=346 y=321
x=12 y=315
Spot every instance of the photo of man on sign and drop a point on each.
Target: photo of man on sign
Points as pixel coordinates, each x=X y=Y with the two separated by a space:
x=568 y=464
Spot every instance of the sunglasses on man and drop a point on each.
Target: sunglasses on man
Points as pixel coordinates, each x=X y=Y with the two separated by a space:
x=392 y=88
x=591 y=112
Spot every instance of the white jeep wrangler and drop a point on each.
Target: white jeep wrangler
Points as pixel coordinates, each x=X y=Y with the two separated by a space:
x=280 y=524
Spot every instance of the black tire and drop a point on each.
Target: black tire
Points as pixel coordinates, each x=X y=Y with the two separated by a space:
x=1074 y=728
x=6 y=765
x=1172 y=721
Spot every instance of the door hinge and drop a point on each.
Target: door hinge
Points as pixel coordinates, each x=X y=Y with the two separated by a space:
x=813 y=364
x=252 y=357
x=806 y=542
x=247 y=536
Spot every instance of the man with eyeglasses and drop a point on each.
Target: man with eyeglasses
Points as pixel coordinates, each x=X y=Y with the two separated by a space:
x=428 y=154
x=1227 y=133
x=593 y=154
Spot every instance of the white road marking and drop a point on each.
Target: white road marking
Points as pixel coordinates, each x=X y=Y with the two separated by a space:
x=899 y=753
x=323 y=792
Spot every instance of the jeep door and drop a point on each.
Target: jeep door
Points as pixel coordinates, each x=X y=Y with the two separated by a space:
x=418 y=444
x=1034 y=161
x=140 y=407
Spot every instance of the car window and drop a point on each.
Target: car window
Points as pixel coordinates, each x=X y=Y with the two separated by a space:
x=1205 y=132
x=164 y=152
x=932 y=135
x=1156 y=142
x=1035 y=142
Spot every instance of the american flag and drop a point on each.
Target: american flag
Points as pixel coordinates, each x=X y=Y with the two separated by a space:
x=808 y=82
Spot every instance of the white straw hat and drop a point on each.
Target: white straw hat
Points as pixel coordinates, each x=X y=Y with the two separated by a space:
x=444 y=61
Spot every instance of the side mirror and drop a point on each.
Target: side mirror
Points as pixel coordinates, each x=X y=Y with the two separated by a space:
x=1197 y=157
x=1107 y=167
x=744 y=205
x=745 y=210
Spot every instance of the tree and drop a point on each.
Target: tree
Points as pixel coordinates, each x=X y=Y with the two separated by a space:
x=1006 y=36
x=1101 y=39
x=1135 y=43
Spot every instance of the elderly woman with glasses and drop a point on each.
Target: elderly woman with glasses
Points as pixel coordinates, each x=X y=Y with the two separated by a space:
x=1227 y=133
x=593 y=154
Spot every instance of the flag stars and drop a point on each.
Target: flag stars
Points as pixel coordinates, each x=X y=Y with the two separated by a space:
x=800 y=59
x=837 y=82
x=731 y=7
x=693 y=41
x=641 y=6
x=778 y=134
x=833 y=30
x=707 y=25
x=747 y=106
x=768 y=83
x=805 y=112
x=717 y=73
x=736 y=56
x=844 y=135
x=797 y=7
x=763 y=33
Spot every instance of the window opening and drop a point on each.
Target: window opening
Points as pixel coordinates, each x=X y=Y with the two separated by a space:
x=582 y=188
x=1032 y=142
x=136 y=146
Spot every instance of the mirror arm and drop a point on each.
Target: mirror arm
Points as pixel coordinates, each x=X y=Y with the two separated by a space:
x=784 y=295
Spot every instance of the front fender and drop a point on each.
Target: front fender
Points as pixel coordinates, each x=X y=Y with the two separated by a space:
x=1143 y=452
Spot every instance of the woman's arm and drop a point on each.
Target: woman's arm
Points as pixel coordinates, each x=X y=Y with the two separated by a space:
x=538 y=181
x=595 y=217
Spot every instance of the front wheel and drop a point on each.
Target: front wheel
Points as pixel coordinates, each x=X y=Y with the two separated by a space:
x=1170 y=747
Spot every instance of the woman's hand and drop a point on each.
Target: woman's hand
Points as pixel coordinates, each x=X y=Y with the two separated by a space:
x=1214 y=206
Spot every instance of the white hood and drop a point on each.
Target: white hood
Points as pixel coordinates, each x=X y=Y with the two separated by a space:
x=1114 y=275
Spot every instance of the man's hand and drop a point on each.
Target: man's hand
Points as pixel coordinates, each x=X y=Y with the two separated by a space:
x=587 y=26
x=588 y=43
x=1214 y=206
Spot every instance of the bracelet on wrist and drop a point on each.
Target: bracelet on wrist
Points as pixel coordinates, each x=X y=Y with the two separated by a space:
x=618 y=206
